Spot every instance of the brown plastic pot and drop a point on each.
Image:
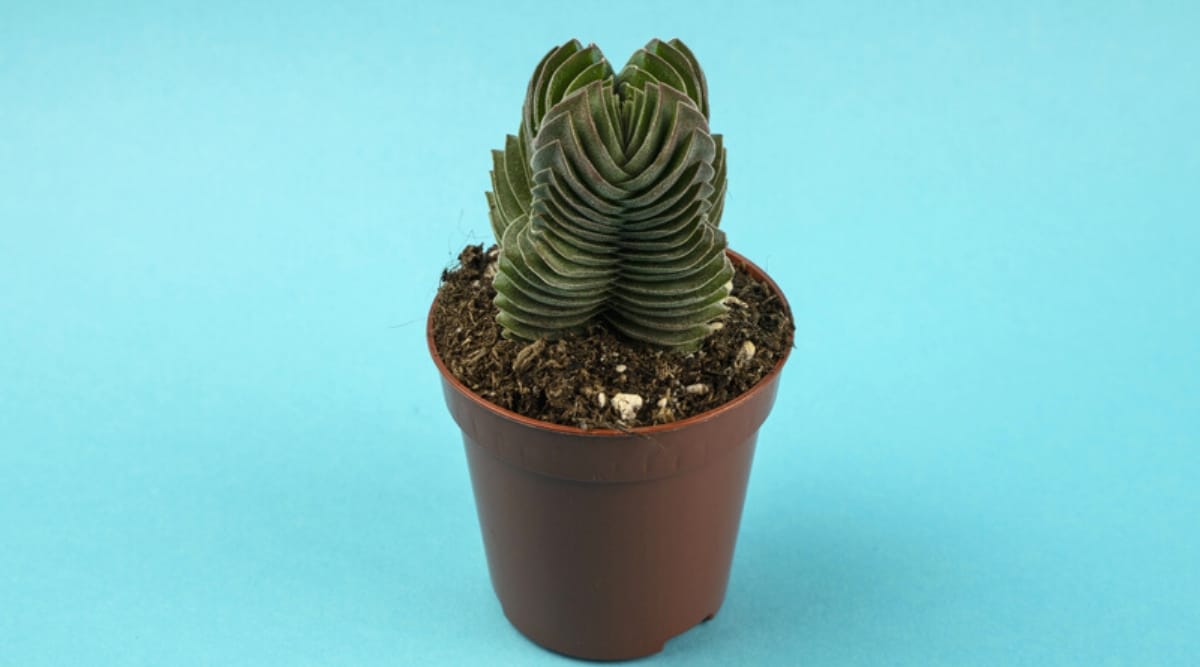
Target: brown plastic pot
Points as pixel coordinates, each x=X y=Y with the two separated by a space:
x=604 y=544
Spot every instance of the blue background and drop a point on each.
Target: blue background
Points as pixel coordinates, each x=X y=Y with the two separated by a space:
x=222 y=440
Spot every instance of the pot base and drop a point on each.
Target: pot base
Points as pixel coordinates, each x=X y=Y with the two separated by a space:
x=629 y=652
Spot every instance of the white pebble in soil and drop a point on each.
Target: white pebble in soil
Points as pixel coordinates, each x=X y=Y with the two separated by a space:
x=744 y=355
x=627 y=405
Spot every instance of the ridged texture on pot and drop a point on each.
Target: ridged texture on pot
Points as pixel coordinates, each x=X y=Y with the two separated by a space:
x=606 y=203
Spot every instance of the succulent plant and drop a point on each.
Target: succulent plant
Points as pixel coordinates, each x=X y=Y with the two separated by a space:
x=606 y=203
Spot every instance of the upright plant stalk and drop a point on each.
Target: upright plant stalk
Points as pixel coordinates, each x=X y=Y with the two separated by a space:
x=606 y=203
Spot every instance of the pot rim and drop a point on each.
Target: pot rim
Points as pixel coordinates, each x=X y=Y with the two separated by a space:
x=750 y=267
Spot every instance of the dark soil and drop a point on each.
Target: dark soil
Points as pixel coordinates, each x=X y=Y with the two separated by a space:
x=572 y=381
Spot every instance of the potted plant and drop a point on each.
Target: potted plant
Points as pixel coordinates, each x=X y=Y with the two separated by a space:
x=610 y=362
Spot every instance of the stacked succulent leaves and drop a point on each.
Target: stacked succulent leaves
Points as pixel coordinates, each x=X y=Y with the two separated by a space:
x=606 y=203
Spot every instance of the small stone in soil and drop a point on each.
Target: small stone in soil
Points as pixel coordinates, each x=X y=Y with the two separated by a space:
x=627 y=405
x=744 y=355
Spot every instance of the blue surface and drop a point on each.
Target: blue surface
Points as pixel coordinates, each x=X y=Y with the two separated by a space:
x=222 y=441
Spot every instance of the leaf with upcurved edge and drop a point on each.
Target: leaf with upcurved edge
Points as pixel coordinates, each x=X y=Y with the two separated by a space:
x=606 y=202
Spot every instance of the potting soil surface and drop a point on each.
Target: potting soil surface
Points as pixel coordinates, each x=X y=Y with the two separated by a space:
x=588 y=379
